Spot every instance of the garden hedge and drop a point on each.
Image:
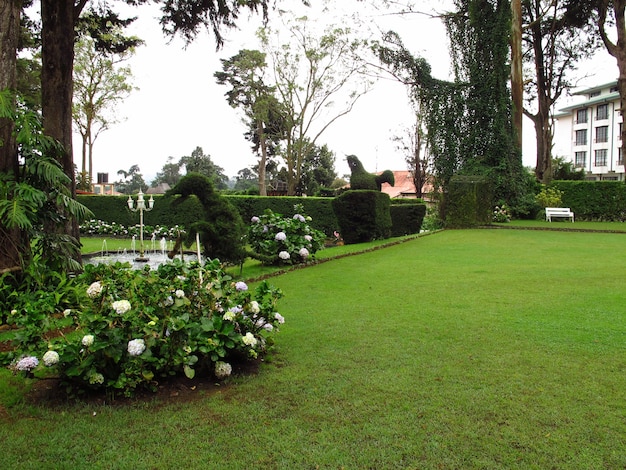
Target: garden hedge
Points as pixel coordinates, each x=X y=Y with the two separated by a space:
x=406 y=214
x=594 y=200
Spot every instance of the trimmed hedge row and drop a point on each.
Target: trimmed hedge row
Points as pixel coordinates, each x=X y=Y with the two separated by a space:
x=468 y=202
x=594 y=200
x=363 y=215
x=406 y=215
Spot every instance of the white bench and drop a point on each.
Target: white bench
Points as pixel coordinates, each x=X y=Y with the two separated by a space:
x=559 y=212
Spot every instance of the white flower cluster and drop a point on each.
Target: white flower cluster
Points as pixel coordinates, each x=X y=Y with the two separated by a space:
x=222 y=369
x=249 y=340
x=136 y=347
x=304 y=253
x=241 y=286
x=121 y=306
x=94 y=289
x=180 y=293
x=280 y=237
x=87 y=340
x=50 y=358
x=284 y=255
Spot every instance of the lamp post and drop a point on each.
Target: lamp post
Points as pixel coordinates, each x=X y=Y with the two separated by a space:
x=141 y=207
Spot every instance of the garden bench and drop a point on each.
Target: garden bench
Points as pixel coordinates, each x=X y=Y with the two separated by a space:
x=559 y=212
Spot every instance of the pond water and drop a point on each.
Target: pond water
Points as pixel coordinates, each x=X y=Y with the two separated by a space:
x=154 y=259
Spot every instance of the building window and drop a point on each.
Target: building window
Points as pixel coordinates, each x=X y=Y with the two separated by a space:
x=581 y=116
x=580 y=159
x=614 y=89
x=602 y=112
x=620 y=156
x=601 y=157
x=602 y=134
x=594 y=94
x=581 y=137
x=619 y=132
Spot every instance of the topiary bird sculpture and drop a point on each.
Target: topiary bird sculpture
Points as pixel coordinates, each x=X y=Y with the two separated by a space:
x=361 y=179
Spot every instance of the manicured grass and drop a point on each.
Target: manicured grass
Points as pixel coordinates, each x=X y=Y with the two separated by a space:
x=464 y=349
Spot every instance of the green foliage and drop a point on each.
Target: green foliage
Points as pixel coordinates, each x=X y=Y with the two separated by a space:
x=275 y=239
x=221 y=229
x=468 y=202
x=406 y=219
x=549 y=197
x=563 y=170
x=594 y=200
x=363 y=215
x=141 y=326
x=30 y=200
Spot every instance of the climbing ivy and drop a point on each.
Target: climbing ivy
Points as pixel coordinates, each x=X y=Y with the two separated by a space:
x=469 y=119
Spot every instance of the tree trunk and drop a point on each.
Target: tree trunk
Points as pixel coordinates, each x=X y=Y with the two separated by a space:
x=12 y=243
x=57 y=51
x=517 y=79
x=263 y=160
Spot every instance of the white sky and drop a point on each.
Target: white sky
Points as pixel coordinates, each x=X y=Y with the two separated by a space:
x=179 y=106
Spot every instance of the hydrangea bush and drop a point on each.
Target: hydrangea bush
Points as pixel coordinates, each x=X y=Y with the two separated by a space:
x=275 y=239
x=501 y=214
x=140 y=326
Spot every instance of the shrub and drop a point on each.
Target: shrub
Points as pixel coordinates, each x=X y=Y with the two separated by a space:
x=468 y=202
x=406 y=218
x=549 y=197
x=275 y=239
x=141 y=326
x=363 y=215
x=501 y=214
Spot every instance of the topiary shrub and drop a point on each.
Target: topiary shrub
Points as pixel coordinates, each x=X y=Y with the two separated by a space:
x=363 y=216
x=221 y=231
x=468 y=202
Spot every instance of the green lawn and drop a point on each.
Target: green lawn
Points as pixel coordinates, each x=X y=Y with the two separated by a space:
x=463 y=349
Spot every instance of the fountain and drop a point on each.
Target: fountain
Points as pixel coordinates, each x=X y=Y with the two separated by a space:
x=141 y=207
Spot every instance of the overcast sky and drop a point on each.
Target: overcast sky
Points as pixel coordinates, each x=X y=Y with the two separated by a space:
x=178 y=105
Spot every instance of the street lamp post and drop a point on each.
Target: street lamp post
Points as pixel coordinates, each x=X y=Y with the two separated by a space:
x=141 y=207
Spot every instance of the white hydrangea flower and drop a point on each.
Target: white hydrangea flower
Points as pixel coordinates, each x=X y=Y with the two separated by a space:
x=229 y=316
x=280 y=237
x=121 y=306
x=50 y=358
x=136 y=347
x=180 y=293
x=249 y=340
x=308 y=238
x=94 y=289
x=254 y=307
x=222 y=369
x=87 y=340
x=96 y=378
x=304 y=252
x=268 y=327
x=284 y=255
x=279 y=317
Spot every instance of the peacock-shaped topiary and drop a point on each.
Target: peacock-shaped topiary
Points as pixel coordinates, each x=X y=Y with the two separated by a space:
x=361 y=179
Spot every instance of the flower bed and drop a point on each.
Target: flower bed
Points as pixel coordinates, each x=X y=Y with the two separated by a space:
x=140 y=326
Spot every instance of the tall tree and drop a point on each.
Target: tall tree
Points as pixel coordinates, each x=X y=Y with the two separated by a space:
x=555 y=42
x=244 y=72
x=413 y=145
x=169 y=174
x=202 y=164
x=615 y=9
x=318 y=170
x=132 y=181
x=11 y=240
x=310 y=71
x=100 y=83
